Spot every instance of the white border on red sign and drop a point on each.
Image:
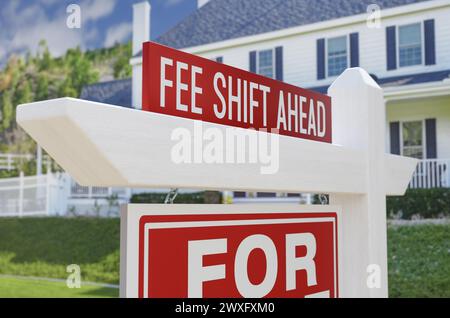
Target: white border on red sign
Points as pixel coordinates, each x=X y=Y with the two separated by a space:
x=131 y=214
x=190 y=224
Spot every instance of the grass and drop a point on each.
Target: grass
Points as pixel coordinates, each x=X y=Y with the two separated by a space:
x=418 y=257
x=419 y=261
x=30 y=288
x=45 y=246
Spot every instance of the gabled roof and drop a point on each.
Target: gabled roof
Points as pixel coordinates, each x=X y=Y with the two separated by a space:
x=116 y=92
x=396 y=81
x=220 y=20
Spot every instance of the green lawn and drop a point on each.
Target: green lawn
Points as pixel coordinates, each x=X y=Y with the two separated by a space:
x=419 y=261
x=418 y=257
x=43 y=247
x=18 y=287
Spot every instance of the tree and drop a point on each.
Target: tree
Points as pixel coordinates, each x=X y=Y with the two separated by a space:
x=66 y=89
x=23 y=93
x=7 y=110
x=41 y=92
x=12 y=71
x=122 y=68
x=81 y=71
x=45 y=58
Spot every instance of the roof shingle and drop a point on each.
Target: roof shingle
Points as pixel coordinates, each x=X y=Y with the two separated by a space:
x=220 y=20
x=116 y=92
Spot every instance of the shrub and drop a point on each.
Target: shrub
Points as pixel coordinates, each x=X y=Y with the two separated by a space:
x=422 y=203
x=196 y=197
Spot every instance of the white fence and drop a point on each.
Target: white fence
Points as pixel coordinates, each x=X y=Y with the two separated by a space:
x=57 y=194
x=431 y=173
x=27 y=196
x=9 y=161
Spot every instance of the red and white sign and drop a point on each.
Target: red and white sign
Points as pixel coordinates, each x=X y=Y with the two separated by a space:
x=218 y=252
x=181 y=84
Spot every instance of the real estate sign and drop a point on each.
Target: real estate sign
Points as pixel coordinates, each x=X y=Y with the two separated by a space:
x=238 y=250
x=181 y=84
x=229 y=251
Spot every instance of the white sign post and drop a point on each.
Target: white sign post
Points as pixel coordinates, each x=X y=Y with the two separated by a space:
x=359 y=123
x=104 y=145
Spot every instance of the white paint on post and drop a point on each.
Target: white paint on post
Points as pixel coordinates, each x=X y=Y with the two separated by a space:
x=141 y=34
x=358 y=124
x=141 y=25
x=38 y=160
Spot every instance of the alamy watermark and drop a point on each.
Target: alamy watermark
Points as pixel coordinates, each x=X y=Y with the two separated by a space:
x=74 y=278
x=374 y=276
x=373 y=20
x=210 y=145
x=73 y=20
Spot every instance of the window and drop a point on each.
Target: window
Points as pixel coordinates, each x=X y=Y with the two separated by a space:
x=266 y=63
x=410 y=44
x=337 y=55
x=412 y=139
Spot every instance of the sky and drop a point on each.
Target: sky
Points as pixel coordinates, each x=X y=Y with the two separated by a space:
x=23 y=23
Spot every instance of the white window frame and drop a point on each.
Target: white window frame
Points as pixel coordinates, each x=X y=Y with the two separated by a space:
x=424 y=142
x=422 y=40
x=273 y=61
x=347 y=39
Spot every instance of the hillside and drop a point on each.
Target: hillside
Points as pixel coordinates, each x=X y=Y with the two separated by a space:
x=41 y=76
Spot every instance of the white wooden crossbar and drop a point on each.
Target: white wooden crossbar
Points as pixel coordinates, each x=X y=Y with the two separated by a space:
x=132 y=148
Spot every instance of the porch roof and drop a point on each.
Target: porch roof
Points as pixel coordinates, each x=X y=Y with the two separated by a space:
x=396 y=81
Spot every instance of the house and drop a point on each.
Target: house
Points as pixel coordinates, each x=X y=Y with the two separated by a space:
x=403 y=44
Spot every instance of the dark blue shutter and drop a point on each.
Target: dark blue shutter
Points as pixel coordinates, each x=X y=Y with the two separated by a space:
x=253 y=61
x=266 y=194
x=279 y=63
x=391 y=48
x=430 y=48
x=354 y=50
x=320 y=59
x=430 y=136
x=394 y=132
x=219 y=59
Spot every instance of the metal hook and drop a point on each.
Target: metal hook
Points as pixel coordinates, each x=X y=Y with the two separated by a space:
x=323 y=199
x=171 y=195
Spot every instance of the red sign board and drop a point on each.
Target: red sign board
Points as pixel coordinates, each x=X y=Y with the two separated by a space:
x=238 y=255
x=181 y=84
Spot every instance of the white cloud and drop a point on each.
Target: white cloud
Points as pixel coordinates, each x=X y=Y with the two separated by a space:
x=28 y=22
x=118 y=33
x=96 y=9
